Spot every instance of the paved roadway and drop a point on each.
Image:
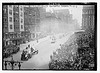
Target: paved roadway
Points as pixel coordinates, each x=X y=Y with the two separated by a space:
x=45 y=48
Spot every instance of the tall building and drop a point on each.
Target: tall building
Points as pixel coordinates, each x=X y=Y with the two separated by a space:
x=10 y=19
x=8 y=24
x=21 y=17
x=16 y=18
x=31 y=21
x=88 y=17
x=13 y=24
x=5 y=25
x=21 y=20
x=18 y=23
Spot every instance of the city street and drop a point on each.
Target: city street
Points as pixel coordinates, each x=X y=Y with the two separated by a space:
x=57 y=27
x=45 y=48
x=48 y=36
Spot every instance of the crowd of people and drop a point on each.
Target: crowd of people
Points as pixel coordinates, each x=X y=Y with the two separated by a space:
x=78 y=55
x=9 y=50
x=63 y=55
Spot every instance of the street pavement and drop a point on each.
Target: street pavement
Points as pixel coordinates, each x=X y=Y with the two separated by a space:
x=45 y=48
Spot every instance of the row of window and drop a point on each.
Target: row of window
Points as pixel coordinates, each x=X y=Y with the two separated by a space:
x=11 y=27
x=89 y=11
x=10 y=12
x=6 y=36
x=15 y=6
x=15 y=19
x=10 y=19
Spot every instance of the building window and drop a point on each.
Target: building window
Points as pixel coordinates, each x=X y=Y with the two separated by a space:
x=10 y=26
x=5 y=10
x=10 y=12
x=15 y=19
x=5 y=19
x=10 y=6
x=21 y=14
x=21 y=20
x=21 y=26
x=21 y=8
x=10 y=19
x=16 y=12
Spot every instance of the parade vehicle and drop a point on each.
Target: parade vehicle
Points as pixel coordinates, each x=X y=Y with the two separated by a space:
x=27 y=55
x=53 y=39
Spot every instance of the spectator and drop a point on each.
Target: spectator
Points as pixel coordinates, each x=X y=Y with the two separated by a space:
x=28 y=46
x=32 y=49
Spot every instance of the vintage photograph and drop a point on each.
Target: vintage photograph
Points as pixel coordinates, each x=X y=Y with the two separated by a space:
x=49 y=36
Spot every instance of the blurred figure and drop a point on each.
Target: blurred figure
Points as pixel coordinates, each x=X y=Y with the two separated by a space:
x=32 y=49
x=28 y=46
x=37 y=41
x=12 y=58
x=29 y=49
x=25 y=49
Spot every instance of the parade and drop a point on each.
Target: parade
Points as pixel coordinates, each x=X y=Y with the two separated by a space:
x=28 y=53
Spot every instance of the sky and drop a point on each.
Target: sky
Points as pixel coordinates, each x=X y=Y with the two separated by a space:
x=76 y=11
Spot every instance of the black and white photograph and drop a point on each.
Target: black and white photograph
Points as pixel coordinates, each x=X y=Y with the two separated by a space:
x=50 y=36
